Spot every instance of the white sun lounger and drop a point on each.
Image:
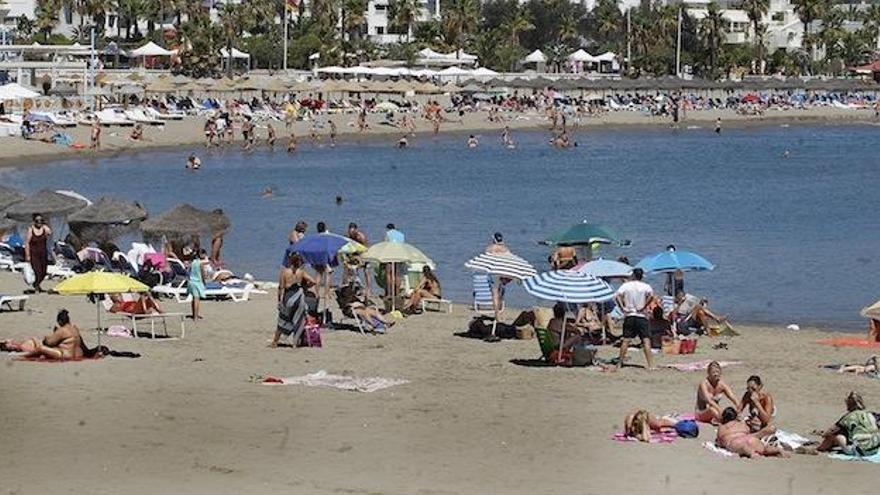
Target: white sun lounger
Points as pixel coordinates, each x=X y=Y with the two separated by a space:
x=181 y=295
x=11 y=301
x=171 y=115
x=138 y=115
x=133 y=319
x=436 y=304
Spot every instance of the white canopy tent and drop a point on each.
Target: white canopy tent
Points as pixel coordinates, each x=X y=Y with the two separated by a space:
x=606 y=57
x=151 y=50
x=15 y=91
x=536 y=57
x=236 y=53
x=581 y=56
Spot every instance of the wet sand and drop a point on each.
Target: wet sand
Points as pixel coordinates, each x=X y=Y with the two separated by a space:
x=17 y=152
x=185 y=419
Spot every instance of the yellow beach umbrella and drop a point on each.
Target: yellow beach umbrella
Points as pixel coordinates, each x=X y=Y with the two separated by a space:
x=395 y=252
x=99 y=283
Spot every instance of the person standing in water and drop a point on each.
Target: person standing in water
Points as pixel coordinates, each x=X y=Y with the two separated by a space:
x=291 y=142
x=472 y=141
x=333 y=132
x=270 y=135
x=506 y=138
x=96 y=134
x=718 y=125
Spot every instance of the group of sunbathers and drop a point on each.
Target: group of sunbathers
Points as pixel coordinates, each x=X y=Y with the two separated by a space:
x=747 y=424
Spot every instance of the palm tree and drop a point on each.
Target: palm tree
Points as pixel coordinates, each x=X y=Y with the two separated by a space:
x=46 y=16
x=460 y=18
x=872 y=19
x=353 y=17
x=568 y=28
x=608 y=21
x=713 y=28
x=405 y=13
x=519 y=21
x=756 y=10
x=809 y=11
x=97 y=11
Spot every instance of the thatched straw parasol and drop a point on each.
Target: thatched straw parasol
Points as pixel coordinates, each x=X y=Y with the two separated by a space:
x=106 y=219
x=9 y=196
x=47 y=203
x=161 y=86
x=184 y=220
x=273 y=85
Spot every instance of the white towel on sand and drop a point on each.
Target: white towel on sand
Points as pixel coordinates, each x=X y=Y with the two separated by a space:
x=354 y=384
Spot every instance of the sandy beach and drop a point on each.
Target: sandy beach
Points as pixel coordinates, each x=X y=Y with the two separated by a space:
x=185 y=417
x=17 y=152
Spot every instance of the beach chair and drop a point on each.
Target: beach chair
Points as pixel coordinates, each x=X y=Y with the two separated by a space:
x=347 y=314
x=11 y=301
x=483 y=294
x=545 y=341
x=436 y=305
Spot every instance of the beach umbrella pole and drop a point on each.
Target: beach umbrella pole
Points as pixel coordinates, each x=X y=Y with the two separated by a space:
x=98 y=310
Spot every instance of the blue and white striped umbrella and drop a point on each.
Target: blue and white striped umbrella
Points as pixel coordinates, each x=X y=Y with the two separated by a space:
x=568 y=286
x=503 y=265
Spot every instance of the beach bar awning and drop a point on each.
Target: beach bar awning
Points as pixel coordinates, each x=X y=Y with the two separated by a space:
x=236 y=53
x=15 y=91
x=151 y=50
x=536 y=57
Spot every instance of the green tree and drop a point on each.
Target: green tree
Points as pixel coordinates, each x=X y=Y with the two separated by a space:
x=809 y=11
x=756 y=10
x=403 y=14
x=354 y=16
x=518 y=21
x=460 y=20
x=46 y=16
x=608 y=25
x=24 y=27
x=713 y=31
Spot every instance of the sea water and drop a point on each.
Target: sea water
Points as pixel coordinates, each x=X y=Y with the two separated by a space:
x=794 y=236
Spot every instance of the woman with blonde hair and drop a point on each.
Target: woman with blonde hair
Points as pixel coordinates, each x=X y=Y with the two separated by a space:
x=641 y=423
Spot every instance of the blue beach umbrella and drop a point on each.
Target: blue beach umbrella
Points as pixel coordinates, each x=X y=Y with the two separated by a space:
x=673 y=260
x=603 y=268
x=503 y=265
x=568 y=286
x=318 y=249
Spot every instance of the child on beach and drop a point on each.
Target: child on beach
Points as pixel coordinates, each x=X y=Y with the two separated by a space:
x=709 y=395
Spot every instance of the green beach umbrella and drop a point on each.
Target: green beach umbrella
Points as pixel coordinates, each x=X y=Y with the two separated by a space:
x=583 y=234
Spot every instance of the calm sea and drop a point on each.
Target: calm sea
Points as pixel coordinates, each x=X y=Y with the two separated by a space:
x=795 y=240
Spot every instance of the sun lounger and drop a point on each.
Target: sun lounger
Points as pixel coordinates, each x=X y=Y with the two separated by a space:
x=112 y=117
x=436 y=305
x=170 y=115
x=138 y=115
x=237 y=293
x=152 y=318
x=11 y=301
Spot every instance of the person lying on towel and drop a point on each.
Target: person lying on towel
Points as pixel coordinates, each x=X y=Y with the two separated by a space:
x=734 y=435
x=64 y=342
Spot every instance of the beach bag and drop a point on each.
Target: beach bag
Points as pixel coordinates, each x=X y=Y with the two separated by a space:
x=312 y=333
x=28 y=273
x=687 y=429
x=560 y=358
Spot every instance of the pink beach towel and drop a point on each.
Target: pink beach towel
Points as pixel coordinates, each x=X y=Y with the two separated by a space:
x=699 y=365
x=156 y=259
x=656 y=437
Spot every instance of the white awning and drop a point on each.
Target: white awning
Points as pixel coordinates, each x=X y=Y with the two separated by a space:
x=536 y=56
x=606 y=57
x=15 y=91
x=581 y=56
x=483 y=72
x=151 y=50
x=236 y=53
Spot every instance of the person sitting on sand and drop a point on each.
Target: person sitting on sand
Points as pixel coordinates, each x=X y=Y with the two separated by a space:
x=64 y=342
x=870 y=368
x=735 y=436
x=641 y=423
x=759 y=403
x=193 y=162
x=856 y=433
x=691 y=314
x=350 y=297
x=427 y=288
x=709 y=394
x=144 y=305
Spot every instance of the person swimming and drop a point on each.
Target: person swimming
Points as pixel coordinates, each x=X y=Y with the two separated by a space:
x=402 y=143
x=193 y=162
x=472 y=141
x=267 y=193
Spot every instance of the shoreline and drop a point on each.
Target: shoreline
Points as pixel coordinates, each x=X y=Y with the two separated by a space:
x=188 y=132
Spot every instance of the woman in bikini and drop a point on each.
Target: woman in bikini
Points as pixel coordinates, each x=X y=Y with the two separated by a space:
x=709 y=394
x=734 y=435
x=144 y=305
x=428 y=288
x=760 y=404
x=641 y=423
x=63 y=343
